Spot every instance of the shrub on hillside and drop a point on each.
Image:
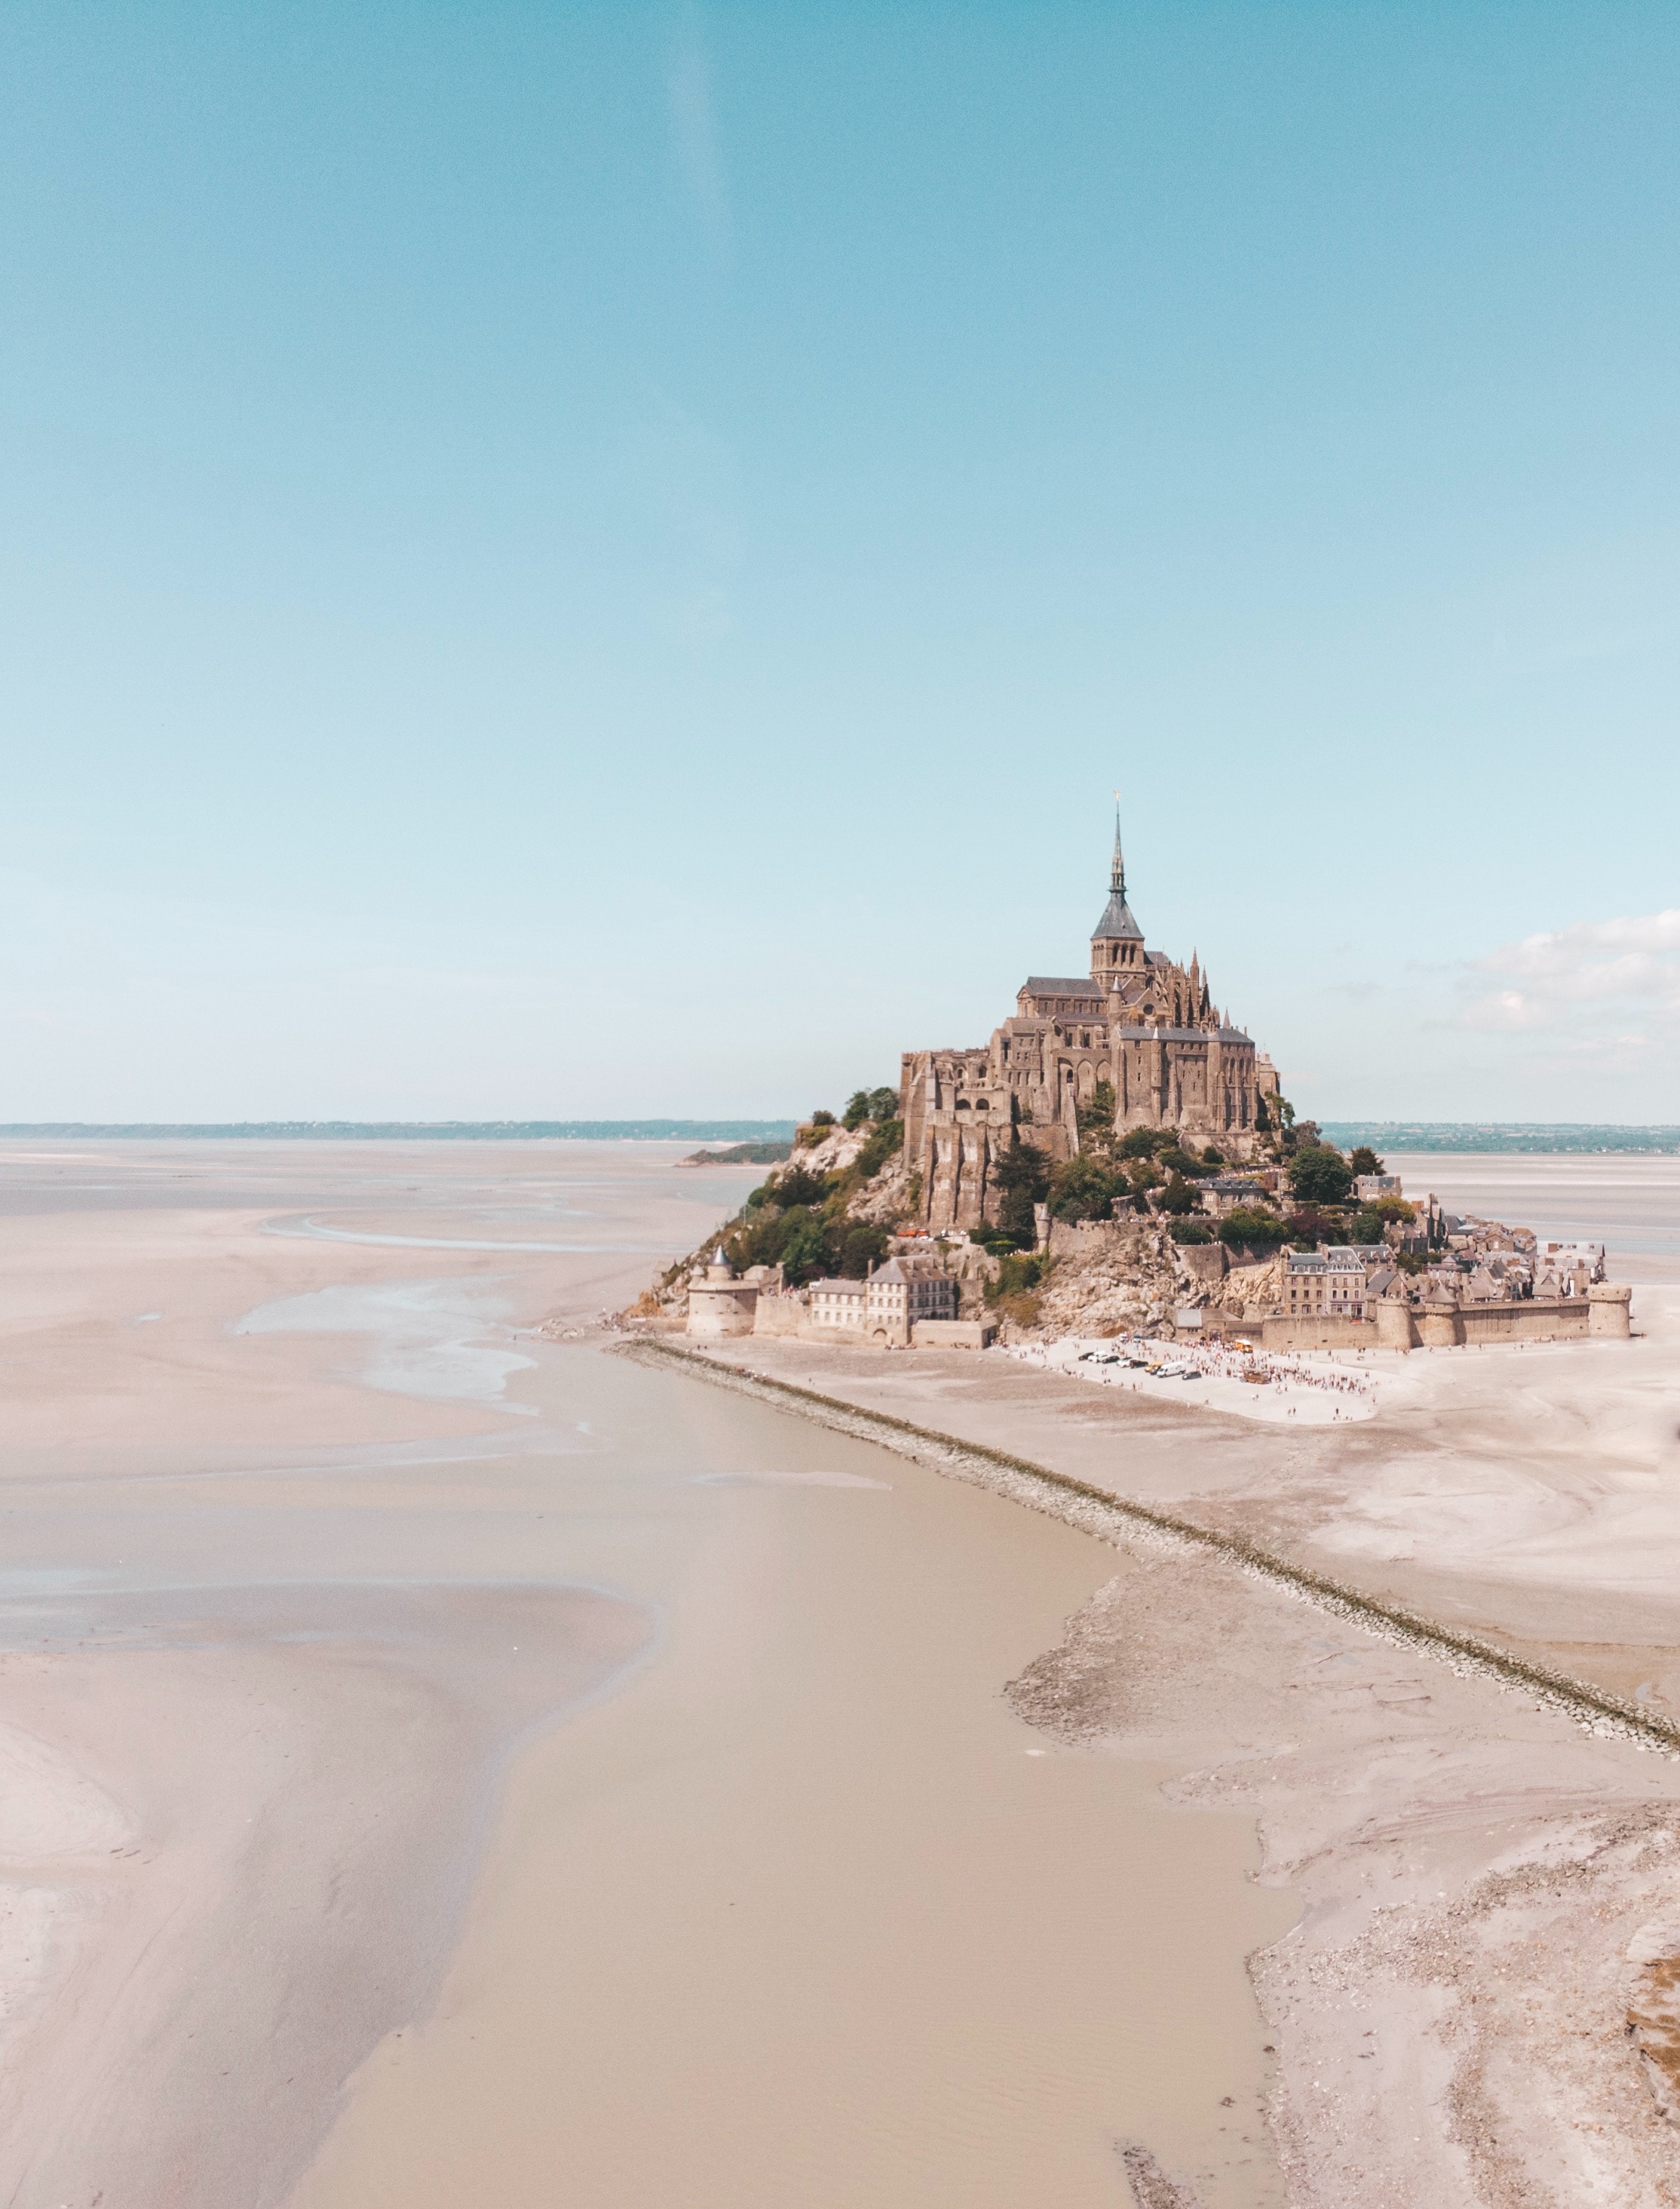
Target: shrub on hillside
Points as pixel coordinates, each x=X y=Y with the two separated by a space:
x=1177 y=1160
x=795 y=1187
x=879 y=1145
x=1246 y=1228
x=1013 y=1295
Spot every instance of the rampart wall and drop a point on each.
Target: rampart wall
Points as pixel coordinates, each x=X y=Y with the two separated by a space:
x=1604 y=1311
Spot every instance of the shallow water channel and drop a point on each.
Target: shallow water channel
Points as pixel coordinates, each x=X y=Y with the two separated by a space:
x=536 y=1778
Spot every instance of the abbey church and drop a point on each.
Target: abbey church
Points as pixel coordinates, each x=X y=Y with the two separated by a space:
x=1139 y=1021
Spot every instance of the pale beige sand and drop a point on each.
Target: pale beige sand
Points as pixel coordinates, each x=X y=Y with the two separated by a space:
x=1489 y=1889
x=439 y=1777
x=849 y=1936
x=450 y=1766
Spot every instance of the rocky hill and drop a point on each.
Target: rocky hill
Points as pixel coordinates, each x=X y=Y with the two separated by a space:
x=845 y=1197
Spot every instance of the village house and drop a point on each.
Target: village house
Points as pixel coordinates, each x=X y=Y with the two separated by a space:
x=1225 y=1192
x=904 y=1291
x=1306 y=1284
x=1334 y=1282
x=1567 y=1259
x=837 y=1303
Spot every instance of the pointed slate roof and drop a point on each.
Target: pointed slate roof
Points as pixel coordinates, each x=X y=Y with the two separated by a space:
x=1117 y=920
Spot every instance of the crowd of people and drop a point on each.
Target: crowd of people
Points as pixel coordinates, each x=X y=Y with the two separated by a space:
x=1126 y=1361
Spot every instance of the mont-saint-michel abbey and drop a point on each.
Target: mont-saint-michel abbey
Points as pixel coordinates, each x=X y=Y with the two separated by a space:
x=1139 y=1021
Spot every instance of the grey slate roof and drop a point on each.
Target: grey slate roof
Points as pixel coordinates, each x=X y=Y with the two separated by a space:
x=1062 y=985
x=1116 y=922
x=1130 y=1035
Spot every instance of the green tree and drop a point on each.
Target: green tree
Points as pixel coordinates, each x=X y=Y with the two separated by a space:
x=1309 y=1227
x=1245 y=1227
x=883 y=1105
x=1178 y=1198
x=1096 y=1120
x=804 y=1244
x=1189 y=1230
x=855 y=1247
x=857 y=1109
x=1022 y=1175
x=1083 y=1187
x=1141 y=1143
x=1362 y=1159
x=1319 y=1175
x=1367 y=1225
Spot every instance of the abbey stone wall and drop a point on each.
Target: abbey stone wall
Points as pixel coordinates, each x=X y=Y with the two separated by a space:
x=1138 y=1021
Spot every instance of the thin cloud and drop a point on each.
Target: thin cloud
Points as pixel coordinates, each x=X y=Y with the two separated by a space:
x=1609 y=980
x=694 y=130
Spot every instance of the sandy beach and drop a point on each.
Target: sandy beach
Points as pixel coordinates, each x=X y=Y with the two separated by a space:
x=443 y=1756
x=446 y=1756
x=1483 y=1964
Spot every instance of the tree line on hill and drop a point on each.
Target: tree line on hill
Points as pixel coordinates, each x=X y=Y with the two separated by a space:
x=802 y=1219
x=1152 y=1169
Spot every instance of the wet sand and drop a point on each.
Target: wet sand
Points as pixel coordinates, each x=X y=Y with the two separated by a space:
x=450 y=1764
x=1477 y=2004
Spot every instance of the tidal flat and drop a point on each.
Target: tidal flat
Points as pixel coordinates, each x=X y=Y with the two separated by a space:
x=1479 y=2004
x=446 y=1762
x=445 y=1759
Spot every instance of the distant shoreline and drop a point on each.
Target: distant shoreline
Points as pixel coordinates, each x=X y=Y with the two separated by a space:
x=1555 y=1139
x=456 y=1131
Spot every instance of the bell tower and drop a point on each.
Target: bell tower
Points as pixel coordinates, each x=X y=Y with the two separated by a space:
x=1116 y=941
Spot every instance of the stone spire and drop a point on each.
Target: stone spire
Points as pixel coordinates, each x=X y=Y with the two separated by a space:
x=1116 y=941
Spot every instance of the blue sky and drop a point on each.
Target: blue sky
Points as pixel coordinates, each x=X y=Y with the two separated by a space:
x=608 y=559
